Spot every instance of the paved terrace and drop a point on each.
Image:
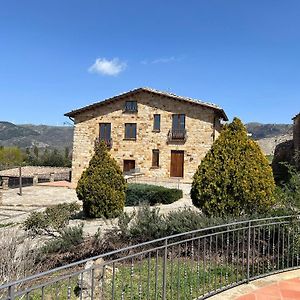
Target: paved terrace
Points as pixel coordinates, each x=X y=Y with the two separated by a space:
x=282 y=286
x=15 y=208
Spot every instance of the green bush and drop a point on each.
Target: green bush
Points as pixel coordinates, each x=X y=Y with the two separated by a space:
x=69 y=238
x=102 y=186
x=288 y=193
x=10 y=156
x=52 y=221
x=150 y=194
x=234 y=177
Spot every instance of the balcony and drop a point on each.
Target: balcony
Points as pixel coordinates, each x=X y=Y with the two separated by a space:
x=177 y=135
x=108 y=142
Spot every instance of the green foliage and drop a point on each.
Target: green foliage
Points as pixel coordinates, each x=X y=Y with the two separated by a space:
x=52 y=221
x=102 y=186
x=288 y=193
x=68 y=239
x=11 y=156
x=150 y=194
x=49 y=158
x=234 y=177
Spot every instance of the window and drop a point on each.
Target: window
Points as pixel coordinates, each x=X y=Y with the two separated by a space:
x=130 y=106
x=105 y=131
x=130 y=131
x=156 y=123
x=155 y=158
x=178 y=122
x=128 y=165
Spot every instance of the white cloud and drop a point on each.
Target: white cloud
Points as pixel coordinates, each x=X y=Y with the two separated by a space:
x=162 y=60
x=107 y=67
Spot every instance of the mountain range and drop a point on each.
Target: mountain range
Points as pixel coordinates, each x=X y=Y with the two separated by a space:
x=45 y=136
x=42 y=136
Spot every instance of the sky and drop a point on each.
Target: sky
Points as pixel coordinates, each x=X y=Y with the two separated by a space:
x=59 y=55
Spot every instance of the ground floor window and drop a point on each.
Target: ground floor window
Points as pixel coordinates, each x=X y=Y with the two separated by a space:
x=155 y=158
x=128 y=165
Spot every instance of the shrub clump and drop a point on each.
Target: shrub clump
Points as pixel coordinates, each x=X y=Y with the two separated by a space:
x=69 y=238
x=151 y=194
x=102 y=186
x=234 y=177
x=52 y=221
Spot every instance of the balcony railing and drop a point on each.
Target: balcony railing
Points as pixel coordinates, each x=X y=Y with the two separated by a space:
x=108 y=142
x=191 y=265
x=130 y=107
x=177 y=135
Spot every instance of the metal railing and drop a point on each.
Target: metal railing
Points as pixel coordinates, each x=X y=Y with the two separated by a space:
x=192 y=265
x=177 y=135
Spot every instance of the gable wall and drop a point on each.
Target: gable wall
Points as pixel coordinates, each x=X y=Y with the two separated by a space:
x=199 y=126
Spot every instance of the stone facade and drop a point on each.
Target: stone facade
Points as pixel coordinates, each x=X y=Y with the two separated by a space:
x=202 y=124
x=296 y=139
x=296 y=132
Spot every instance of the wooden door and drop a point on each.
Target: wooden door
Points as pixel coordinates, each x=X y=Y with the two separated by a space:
x=128 y=165
x=177 y=161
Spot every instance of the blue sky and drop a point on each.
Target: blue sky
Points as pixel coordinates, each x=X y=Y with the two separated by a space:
x=56 y=56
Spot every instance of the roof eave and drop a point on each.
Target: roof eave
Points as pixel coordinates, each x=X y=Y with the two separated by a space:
x=73 y=113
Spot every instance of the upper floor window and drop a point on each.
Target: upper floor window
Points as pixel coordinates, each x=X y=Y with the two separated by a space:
x=105 y=131
x=130 y=106
x=130 y=131
x=178 y=122
x=156 y=123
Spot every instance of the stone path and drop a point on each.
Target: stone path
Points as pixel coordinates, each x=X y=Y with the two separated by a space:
x=282 y=286
x=15 y=208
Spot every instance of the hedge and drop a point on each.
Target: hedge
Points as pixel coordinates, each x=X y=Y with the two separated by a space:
x=151 y=194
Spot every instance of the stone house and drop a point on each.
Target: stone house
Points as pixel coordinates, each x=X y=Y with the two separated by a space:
x=296 y=132
x=160 y=134
x=296 y=139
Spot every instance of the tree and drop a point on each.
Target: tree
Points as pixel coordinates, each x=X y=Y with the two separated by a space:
x=11 y=156
x=234 y=177
x=102 y=186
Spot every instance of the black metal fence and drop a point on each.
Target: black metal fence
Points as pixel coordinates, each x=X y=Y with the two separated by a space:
x=192 y=265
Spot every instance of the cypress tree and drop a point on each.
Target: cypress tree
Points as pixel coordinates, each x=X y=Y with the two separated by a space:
x=102 y=186
x=234 y=177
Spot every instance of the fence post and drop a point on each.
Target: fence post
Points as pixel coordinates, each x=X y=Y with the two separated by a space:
x=5 y=182
x=248 y=251
x=164 y=292
x=20 y=181
x=11 y=292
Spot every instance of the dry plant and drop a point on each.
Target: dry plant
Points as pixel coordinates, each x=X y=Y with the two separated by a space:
x=17 y=255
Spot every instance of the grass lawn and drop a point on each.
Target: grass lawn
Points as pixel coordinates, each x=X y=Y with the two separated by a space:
x=143 y=279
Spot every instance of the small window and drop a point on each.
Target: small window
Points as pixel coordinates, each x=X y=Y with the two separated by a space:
x=105 y=131
x=130 y=131
x=156 y=123
x=155 y=158
x=130 y=106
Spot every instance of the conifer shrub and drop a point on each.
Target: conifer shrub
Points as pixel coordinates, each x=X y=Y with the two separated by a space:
x=151 y=194
x=102 y=186
x=234 y=177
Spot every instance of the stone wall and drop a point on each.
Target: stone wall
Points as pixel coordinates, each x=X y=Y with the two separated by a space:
x=296 y=132
x=201 y=123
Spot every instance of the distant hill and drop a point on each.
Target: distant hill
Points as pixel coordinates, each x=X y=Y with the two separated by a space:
x=269 y=136
x=42 y=136
x=261 y=131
